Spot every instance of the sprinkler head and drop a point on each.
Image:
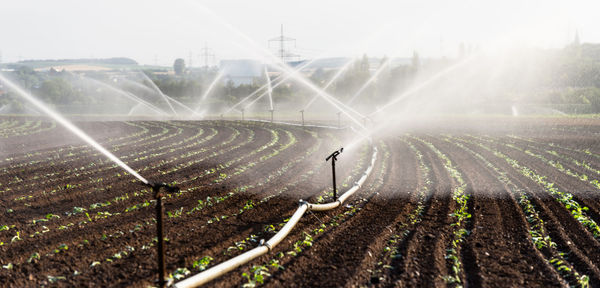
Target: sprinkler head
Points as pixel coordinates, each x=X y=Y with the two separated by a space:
x=168 y=188
x=334 y=154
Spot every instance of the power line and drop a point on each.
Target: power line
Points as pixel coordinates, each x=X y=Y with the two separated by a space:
x=206 y=54
x=282 y=52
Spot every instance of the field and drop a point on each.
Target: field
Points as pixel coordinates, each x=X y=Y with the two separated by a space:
x=488 y=202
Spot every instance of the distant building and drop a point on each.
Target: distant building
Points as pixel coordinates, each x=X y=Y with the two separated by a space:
x=242 y=71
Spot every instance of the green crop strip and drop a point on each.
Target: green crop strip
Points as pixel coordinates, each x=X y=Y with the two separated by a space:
x=565 y=198
x=555 y=164
x=460 y=215
x=392 y=250
x=536 y=228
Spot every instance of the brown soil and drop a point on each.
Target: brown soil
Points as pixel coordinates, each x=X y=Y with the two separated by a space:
x=74 y=219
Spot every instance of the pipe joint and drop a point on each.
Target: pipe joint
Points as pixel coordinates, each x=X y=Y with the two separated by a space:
x=266 y=244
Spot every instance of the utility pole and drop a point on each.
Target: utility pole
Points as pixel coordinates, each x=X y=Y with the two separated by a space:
x=281 y=51
x=207 y=53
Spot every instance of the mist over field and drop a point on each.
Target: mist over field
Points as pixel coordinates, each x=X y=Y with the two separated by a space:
x=284 y=144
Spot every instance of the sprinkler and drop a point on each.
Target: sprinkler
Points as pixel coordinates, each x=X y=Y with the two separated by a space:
x=156 y=190
x=221 y=116
x=242 y=114
x=271 y=115
x=333 y=158
x=302 y=112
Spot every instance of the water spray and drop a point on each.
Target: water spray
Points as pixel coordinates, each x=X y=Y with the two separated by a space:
x=269 y=89
x=280 y=79
x=160 y=248
x=331 y=81
x=369 y=81
x=271 y=115
x=168 y=98
x=74 y=129
x=424 y=84
x=161 y=93
x=333 y=158
x=129 y=95
x=211 y=86
x=285 y=68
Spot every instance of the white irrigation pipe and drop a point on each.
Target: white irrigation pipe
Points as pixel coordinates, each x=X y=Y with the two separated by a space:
x=233 y=263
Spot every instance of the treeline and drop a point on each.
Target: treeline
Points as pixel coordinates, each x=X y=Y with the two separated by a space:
x=560 y=77
x=113 y=61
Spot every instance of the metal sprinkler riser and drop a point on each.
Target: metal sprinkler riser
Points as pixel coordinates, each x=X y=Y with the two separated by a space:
x=333 y=158
x=156 y=190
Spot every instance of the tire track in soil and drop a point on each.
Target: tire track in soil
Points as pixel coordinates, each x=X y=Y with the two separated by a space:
x=408 y=177
x=422 y=263
x=382 y=270
x=567 y=232
x=498 y=230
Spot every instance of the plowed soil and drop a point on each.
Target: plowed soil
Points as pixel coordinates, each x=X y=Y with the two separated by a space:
x=70 y=217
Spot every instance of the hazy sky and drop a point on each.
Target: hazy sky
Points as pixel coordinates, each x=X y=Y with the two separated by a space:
x=164 y=30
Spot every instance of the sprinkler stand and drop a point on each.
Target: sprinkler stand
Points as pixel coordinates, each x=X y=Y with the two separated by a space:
x=271 y=114
x=156 y=190
x=333 y=158
x=302 y=112
x=242 y=114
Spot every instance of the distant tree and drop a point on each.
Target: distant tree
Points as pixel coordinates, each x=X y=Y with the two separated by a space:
x=179 y=66
x=59 y=91
x=416 y=62
x=364 y=64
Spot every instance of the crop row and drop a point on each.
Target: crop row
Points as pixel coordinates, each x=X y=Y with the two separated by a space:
x=73 y=153
x=391 y=252
x=138 y=227
x=540 y=238
x=460 y=215
x=27 y=128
